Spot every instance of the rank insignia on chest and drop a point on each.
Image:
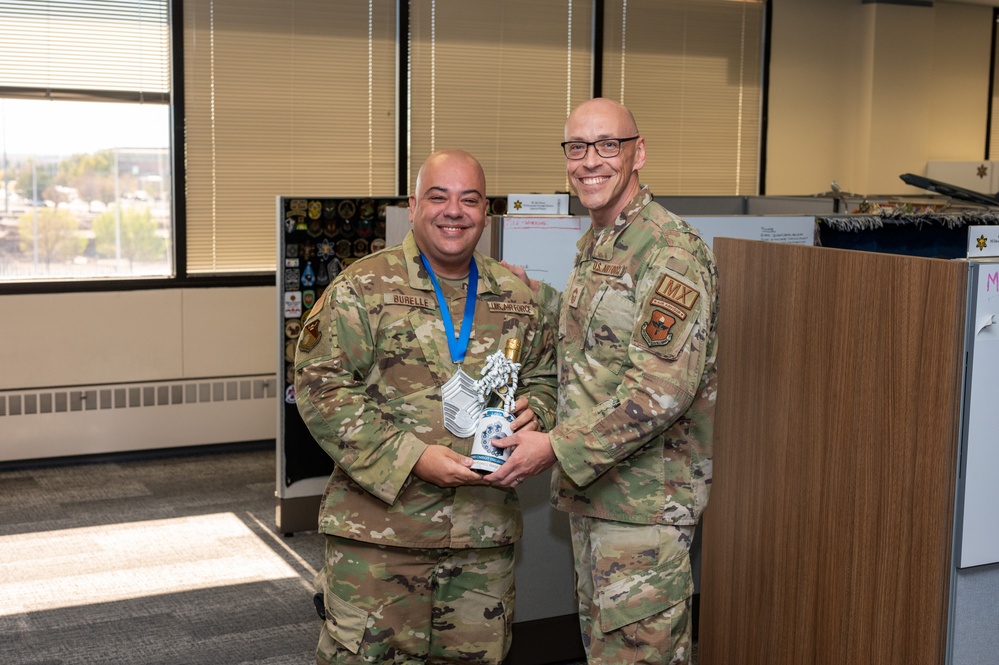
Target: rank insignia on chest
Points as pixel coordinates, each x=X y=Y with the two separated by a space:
x=574 y=295
x=657 y=330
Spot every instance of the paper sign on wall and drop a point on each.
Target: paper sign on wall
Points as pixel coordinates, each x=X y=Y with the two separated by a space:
x=983 y=241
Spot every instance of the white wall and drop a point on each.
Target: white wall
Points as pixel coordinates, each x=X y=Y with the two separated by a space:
x=861 y=93
x=87 y=373
x=132 y=336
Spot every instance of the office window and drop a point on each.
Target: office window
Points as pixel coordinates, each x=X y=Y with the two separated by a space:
x=691 y=71
x=85 y=132
x=498 y=79
x=294 y=98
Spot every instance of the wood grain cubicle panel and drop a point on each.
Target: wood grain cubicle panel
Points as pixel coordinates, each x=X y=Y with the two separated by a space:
x=828 y=534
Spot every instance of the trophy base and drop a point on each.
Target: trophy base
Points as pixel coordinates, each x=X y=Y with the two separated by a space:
x=493 y=424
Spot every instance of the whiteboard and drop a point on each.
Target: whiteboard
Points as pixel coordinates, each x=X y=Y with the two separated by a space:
x=979 y=491
x=545 y=246
x=790 y=229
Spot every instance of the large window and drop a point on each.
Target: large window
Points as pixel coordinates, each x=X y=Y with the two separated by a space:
x=498 y=79
x=292 y=98
x=691 y=71
x=303 y=98
x=85 y=132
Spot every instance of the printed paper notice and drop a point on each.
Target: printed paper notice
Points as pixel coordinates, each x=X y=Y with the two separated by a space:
x=792 y=230
x=983 y=241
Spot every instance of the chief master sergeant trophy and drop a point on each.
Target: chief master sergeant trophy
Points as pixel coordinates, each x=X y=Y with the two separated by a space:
x=499 y=382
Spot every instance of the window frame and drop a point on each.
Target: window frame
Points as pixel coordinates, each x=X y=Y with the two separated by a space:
x=179 y=234
x=182 y=280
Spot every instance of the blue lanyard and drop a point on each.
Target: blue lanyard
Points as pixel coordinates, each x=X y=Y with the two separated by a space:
x=457 y=347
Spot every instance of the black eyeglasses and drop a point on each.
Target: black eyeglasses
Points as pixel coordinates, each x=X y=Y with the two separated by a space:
x=604 y=147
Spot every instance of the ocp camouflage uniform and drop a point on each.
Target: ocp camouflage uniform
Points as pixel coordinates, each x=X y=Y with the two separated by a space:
x=636 y=355
x=372 y=357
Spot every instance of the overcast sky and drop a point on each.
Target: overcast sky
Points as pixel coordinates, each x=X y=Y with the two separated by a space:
x=67 y=128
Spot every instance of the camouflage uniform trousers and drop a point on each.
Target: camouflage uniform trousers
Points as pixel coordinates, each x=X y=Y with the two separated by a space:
x=634 y=587
x=405 y=605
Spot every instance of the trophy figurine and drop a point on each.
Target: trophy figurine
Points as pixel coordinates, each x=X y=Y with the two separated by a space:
x=499 y=383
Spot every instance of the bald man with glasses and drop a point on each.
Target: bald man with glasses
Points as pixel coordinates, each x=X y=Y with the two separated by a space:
x=637 y=384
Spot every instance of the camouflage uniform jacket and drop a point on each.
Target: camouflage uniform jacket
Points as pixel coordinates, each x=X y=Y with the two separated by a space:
x=371 y=359
x=636 y=352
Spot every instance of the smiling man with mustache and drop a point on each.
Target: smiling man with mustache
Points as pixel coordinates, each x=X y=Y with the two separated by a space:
x=419 y=547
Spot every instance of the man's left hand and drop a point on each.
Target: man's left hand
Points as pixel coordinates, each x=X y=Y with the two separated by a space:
x=532 y=454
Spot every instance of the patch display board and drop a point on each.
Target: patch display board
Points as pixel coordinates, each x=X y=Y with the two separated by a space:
x=317 y=238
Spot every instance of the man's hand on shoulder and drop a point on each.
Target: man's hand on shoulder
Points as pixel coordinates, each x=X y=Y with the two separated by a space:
x=520 y=272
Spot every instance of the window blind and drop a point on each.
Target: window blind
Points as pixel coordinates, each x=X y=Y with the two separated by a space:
x=109 y=50
x=691 y=72
x=294 y=98
x=497 y=79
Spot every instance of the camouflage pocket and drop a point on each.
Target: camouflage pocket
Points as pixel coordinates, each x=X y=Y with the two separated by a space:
x=608 y=330
x=507 y=603
x=345 y=622
x=645 y=593
x=404 y=347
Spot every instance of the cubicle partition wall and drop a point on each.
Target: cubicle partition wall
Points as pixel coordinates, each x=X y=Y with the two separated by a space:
x=831 y=533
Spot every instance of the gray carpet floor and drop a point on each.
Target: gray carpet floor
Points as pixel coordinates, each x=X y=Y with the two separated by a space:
x=165 y=559
x=169 y=560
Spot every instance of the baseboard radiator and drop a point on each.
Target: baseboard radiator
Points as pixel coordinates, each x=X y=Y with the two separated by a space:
x=82 y=420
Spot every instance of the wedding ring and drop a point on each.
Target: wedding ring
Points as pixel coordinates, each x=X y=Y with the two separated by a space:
x=518 y=480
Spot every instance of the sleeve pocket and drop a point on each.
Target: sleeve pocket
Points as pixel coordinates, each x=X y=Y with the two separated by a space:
x=645 y=593
x=603 y=343
x=345 y=622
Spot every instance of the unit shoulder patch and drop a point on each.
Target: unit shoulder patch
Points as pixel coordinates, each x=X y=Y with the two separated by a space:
x=311 y=334
x=658 y=330
x=679 y=291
